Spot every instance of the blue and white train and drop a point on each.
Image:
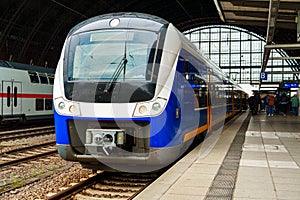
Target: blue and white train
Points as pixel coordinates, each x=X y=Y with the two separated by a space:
x=131 y=93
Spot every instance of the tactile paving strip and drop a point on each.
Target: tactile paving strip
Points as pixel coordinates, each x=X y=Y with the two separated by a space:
x=224 y=182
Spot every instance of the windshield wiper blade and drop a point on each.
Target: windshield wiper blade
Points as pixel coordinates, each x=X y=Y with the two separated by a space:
x=117 y=72
x=115 y=76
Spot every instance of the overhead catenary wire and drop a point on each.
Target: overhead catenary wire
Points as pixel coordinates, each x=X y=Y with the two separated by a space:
x=70 y=9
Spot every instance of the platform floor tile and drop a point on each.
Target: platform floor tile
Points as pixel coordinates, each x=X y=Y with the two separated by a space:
x=191 y=177
x=270 y=169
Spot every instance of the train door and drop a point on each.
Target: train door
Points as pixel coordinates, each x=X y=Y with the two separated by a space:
x=11 y=101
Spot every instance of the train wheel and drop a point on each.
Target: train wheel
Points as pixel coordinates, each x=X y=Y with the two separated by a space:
x=23 y=119
x=199 y=138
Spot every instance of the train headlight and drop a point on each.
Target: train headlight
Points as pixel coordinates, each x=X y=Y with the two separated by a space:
x=120 y=138
x=61 y=105
x=66 y=107
x=150 y=108
x=114 y=22
x=72 y=109
x=142 y=109
x=89 y=137
x=156 y=106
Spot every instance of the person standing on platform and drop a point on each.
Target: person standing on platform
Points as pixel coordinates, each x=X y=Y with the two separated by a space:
x=295 y=104
x=263 y=103
x=245 y=102
x=251 y=104
x=271 y=103
x=284 y=102
x=277 y=108
x=256 y=103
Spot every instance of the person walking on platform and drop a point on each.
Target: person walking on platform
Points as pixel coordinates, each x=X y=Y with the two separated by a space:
x=271 y=103
x=284 y=102
x=295 y=104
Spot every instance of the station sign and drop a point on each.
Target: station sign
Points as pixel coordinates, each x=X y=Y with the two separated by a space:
x=263 y=76
x=290 y=85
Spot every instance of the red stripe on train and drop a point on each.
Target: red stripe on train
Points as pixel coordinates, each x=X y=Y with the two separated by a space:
x=28 y=96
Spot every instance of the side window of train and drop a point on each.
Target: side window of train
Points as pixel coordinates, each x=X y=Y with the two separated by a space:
x=51 y=78
x=33 y=77
x=186 y=69
x=229 y=95
x=237 y=97
x=48 y=104
x=39 y=104
x=43 y=78
x=8 y=96
x=15 y=96
x=220 y=95
x=203 y=94
x=200 y=90
x=197 y=83
x=213 y=94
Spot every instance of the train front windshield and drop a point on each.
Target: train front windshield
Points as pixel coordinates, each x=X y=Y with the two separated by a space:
x=98 y=55
x=109 y=58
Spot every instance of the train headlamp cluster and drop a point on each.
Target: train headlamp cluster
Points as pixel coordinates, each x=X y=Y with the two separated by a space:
x=150 y=108
x=107 y=139
x=66 y=108
x=104 y=137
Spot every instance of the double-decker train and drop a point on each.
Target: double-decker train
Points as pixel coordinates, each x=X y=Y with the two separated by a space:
x=25 y=92
x=131 y=93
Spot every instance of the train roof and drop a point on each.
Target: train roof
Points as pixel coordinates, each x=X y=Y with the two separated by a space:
x=21 y=66
x=126 y=20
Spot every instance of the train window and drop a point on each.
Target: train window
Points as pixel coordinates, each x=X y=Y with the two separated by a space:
x=200 y=89
x=229 y=95
x=43 y=78
x=33 y=77
x=39 y=104
x=48 y=104
x=237 y=100
x=186 y=69
x=203 y=96
x=8 y=96
x=51 y=78
x=218 y=95
x=15 y=96
x=99 y=56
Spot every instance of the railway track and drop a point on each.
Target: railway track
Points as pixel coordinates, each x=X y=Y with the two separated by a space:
x=13 y=125
x=26 y=154
x=107 y=186
x=23 y=133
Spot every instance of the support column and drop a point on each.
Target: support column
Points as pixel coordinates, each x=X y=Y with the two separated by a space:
x=298 y=95
x=298 y=26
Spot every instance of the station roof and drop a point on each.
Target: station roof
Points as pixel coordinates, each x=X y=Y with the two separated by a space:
x=34 y=30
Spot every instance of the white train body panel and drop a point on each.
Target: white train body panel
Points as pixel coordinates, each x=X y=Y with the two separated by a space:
x=21 y=98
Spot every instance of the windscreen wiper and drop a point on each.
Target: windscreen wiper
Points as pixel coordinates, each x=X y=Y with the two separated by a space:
x=115 y=76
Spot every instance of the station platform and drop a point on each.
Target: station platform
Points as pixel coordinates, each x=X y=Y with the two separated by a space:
x=253 y=157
